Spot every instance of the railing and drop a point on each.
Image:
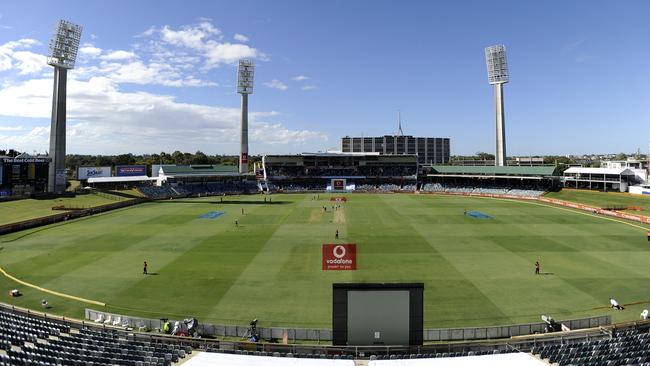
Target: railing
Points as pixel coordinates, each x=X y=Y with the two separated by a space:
x=325 y=335
x=523 y=344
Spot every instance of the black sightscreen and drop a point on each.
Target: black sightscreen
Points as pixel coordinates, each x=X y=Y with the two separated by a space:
x=377 y=313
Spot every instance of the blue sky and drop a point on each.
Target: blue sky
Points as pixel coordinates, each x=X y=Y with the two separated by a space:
x=157 y=76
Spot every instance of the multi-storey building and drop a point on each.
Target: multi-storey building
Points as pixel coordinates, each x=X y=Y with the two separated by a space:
x=430 y=150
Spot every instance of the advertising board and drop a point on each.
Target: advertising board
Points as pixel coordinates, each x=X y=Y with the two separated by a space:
x=338 y=184
x=130 y=170
x=339 y=257
x=85 y=172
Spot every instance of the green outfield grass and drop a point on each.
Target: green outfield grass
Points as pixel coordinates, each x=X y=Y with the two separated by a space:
x=20 y=210
x=604 y=199
x=475 y=271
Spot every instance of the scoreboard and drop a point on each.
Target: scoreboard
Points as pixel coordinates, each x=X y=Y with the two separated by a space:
x=338 y=185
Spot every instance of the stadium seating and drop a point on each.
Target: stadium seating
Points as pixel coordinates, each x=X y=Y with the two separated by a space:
x=630 y=347
x=303 y=187
x=498 y=359
x=409 y=187
x=387 y=187
x=484 y=189
x=202 y=189
x=30 y=340
x=34 y=340
x=272 y=187
x=155 y=192
x=240 y=359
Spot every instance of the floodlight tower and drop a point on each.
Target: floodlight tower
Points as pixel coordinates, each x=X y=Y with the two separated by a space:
x=62 y=55
x=245 y=73
x=497 y=67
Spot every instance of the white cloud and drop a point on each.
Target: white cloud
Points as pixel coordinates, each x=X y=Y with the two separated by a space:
x=276 y=84
x=137 y=72
x=167 y=69
x=15 y=128
x=148 y=33
x=37 y=137
x=240 y=37
x=5 y=61
x=278 y=134
x=103 y=119
x=118 y=55
x=300 y=78
x=309 y=87
x=227 y=53
x=90 y=50
x=7 y=52
x=39 y=131
x=206 y=39
x=30 y=62
x=189 y=36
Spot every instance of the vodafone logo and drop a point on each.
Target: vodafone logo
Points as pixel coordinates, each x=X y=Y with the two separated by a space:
x=339 y=256
x=339 y=251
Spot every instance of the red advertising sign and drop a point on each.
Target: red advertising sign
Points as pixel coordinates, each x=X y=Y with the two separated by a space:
x=338 y=184
x=339 y=257
x=244 y=158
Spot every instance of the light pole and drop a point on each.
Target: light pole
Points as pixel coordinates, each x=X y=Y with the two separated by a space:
x=62 y=55
x=245 y=73
x=497 y=67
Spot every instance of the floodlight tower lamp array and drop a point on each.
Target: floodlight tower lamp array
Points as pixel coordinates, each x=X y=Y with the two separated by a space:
x=62 y=55
x=245 y=75
x=497 y=67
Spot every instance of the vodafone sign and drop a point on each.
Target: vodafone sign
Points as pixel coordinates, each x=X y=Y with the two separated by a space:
x=339 y=257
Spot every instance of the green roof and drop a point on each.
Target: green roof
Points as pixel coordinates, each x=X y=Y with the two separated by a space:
x=200 y=169
x=494 y=170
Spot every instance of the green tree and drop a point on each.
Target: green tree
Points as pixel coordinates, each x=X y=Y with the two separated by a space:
x=125 y=159
x=484 y=156
x=200 y=158
x=558 y=159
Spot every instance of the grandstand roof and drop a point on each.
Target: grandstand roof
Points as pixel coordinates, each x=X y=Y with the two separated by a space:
x=137 y=178
x=341 y=153
x=199 y=170
x=544 y=170
x=607 y=171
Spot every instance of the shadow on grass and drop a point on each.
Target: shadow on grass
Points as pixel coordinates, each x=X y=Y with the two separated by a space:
x=50 y=226
x=224 y=202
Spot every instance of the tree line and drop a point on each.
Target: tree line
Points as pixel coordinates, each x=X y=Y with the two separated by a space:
x=73 y=161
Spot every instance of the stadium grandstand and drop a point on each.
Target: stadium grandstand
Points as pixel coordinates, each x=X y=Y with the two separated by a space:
x=335 y=272
x=606 y=179
x=198 y=180
x=119 y=182
x=322 y=171
x=527 y=181
x=34 y=338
